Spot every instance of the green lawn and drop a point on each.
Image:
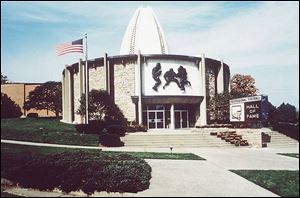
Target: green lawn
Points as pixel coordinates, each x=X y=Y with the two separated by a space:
x=282 y=182
x=296 y=155
x=32 y=150
x=54 y=131
x=44 y=130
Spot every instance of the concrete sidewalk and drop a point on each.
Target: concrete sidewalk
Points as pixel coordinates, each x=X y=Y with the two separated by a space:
x=47 y=145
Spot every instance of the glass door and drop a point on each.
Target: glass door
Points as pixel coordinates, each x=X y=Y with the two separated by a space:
x=184 y=119
x=177 y=119
x=151 y=120
x=160 y=120
x=156 y=119
x=181 y=119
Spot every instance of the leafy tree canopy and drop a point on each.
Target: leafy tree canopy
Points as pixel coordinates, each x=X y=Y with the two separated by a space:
x=242 y=86
x=47 y=96
x=101 y=108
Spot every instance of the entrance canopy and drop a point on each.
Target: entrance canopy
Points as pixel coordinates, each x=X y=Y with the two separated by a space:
x=172 y=99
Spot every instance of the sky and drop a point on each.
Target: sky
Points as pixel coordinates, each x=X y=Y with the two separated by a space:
x=260 y=38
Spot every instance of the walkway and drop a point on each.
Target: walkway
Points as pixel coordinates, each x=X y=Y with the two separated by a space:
x=47 y=145
x=182 y=178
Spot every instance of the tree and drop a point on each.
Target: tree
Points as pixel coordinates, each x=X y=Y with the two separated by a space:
x=3 y=79
x=286 y=113
x=218 y=108
x=242 y=86
x=272 y=113
x=47 y=96
x=9 y=109
x=101 y=108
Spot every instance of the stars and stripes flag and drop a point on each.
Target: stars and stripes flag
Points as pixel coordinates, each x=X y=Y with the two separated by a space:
x=70 y=47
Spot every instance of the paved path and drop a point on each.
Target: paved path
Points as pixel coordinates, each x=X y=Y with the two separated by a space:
x=182 y=178
x=47 y=145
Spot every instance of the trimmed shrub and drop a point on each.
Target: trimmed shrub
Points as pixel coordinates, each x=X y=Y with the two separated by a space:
x=116 y=129
x=32 y=115
x=110 y=140
x=97 y=127
x=80 y=170
x=94 y=127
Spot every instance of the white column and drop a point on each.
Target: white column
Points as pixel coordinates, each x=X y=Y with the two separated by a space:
x=140 y=110
x=172 y=112
x=220 y=79
x=63 y=96
x=68 y=91
x=105 y=71
x=108 y=78
x=81 y=84
x=203 y=118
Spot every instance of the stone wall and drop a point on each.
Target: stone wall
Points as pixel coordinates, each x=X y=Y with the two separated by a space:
x=97 y=78
x=124 y=88
x=96 y=81
x=253 y=136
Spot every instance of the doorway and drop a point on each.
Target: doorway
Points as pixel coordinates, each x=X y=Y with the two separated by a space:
x=181 y=119
x=156 y=119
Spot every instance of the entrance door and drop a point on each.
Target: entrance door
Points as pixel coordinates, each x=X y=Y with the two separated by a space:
x=181 y=119
x=156 y=119
x=151 y=120
x=184 y=119
x=160 y=120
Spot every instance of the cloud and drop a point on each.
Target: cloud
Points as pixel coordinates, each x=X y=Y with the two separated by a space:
x=257 y=36
x=247 y=35
x=62 y=12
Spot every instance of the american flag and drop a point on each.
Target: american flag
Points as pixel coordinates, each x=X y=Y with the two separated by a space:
x=74 y=46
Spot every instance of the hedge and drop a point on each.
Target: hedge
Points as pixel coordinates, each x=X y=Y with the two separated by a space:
x=79 y=170
x=110 y=140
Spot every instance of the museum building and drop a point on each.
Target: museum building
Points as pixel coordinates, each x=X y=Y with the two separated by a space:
x=150 y=85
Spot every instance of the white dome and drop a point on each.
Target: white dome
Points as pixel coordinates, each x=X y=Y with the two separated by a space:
x=144 y=33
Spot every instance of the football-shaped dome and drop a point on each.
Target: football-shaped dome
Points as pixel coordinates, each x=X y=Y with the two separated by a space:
x=144 y=33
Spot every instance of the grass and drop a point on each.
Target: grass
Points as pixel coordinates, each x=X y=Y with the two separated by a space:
x=44 y=130
x=295 y=155
x=282 y=182
x=56 y=132
x=24 y=149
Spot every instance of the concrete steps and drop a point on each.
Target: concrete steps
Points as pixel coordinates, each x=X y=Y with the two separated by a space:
x=173 y=139
x=281 y=140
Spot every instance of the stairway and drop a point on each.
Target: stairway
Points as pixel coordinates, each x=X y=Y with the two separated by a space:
x=173 y=138
x=280 y=140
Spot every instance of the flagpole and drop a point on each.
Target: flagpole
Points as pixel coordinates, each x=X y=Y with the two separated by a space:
x=86 y=83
